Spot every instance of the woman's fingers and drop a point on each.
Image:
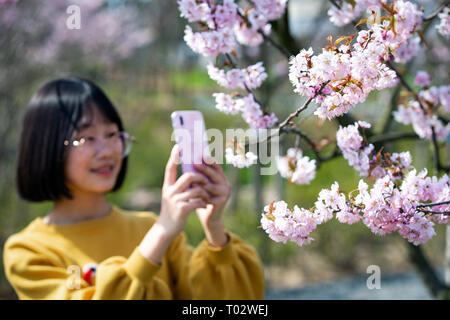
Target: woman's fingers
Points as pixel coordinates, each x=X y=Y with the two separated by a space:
x=187 y=206
x=213 y=163
x=187 y=179
x=192 y=204
x=211 y=172
x=215 y=189
x=194 y=193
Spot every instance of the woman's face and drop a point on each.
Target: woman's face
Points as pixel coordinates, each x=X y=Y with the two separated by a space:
x=93 y=166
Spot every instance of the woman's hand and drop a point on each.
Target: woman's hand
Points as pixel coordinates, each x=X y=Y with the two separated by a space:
x=177 y=202
x=219 y=190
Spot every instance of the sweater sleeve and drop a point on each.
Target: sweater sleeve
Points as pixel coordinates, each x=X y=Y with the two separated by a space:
x=232 y=272
x=36 y=274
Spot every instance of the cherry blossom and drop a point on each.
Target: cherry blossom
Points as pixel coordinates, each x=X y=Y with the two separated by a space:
x=250 y=110
x=283 y=224
x=336 y=77
x=296 y=168
x=422 y=79
x=385 y=208
x=353 y=147
x=351 y=73
x=444 y=24
x=237 y=156
x=227 y=104
x=210 y=43
x=251 y=77
x=411 y=113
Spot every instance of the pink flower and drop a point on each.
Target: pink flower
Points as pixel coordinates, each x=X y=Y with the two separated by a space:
x=239 y=158
x=271 y=9
x=353 y=147
x=407 y=50
x=192 y=11
x=295 y=167
x=248 y=35
x=209 y=43
x=226 y=103
x=329 y=202
x=226 y=16
x=251 y=77
x=444 y=97
x=444 y=24
x=283 y=224
x=422 y=79
x=254 y=75
x=422 y=123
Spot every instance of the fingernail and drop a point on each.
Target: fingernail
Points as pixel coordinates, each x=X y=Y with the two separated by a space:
x=209 y=160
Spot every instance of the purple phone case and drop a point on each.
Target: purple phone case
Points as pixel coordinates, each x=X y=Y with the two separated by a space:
x=190 y=135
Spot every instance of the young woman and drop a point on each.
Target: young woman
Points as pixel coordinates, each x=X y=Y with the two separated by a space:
x=73 y=151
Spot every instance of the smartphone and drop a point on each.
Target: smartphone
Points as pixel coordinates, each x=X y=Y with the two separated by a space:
x=190 y=135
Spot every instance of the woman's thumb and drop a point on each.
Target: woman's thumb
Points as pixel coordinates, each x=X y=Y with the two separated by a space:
x=175 y=154
x=170 y=175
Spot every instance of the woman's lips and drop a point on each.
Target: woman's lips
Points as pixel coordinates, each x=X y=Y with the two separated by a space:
x=107 y=170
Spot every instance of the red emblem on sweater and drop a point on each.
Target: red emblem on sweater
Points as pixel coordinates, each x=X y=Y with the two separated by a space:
x=89 y=273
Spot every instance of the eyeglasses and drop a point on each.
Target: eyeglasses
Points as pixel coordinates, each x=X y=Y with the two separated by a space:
x=114 y=139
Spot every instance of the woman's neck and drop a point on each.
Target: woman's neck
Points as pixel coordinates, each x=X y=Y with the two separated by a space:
x=81 y=208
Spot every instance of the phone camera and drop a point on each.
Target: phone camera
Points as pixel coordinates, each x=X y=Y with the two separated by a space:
x=181 y=120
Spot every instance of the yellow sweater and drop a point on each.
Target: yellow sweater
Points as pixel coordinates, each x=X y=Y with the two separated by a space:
x=45 y=262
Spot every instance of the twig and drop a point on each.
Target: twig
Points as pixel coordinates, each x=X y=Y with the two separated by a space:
x=393 y=137
x=433 y=212
x=282 y=49
x=305 y=105
x=433 y=204
x=308 y=140
x=230 y=60
x=291 y=116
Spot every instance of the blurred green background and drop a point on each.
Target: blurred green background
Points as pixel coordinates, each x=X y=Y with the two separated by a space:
x=159 y=74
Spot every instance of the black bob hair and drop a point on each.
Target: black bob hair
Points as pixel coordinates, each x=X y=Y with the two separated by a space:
x=54 y=115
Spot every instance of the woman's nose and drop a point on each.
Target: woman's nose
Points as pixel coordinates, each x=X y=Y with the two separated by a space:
x=105 y=147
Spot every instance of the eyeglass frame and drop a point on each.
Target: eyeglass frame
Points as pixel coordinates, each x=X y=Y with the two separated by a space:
x=123 y=135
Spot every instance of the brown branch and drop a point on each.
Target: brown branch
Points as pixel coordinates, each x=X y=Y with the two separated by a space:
x=308 y=140
x=285 y=122
x=305 y=105
x=389 y=137
x=282 y=127
x=433 y=204
x=433 y=212
x=426 y=272
x=280 y=48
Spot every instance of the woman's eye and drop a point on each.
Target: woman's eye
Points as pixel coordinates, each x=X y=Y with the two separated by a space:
x=89 y=139
x=114 y=134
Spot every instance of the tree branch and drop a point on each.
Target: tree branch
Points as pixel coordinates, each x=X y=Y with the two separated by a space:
x=433 y=204
x=308 y=140
x=280 y=48
x=433 y=212
x=389 y=137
